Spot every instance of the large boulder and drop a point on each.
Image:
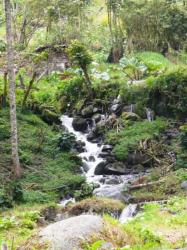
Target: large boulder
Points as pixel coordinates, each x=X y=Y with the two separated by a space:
x=68 y=234
x=111 y=191
x=88 y=111
x=105 y=168
x=130 y=116
x=50 y=117
x=79 y=124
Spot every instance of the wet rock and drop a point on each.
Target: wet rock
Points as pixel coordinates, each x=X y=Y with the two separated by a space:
x=79 y=146
x=184 y=185
x=116 y=108
x=93 y=137
x=88 y=111
x=112 y=181
x=92 y=158
x=130 y=116
x=96 y=118
x=99 y=170
x=68 y=233
x=116 y=168
x=107 y=148
x=109 y=191
x=85 y=167
x=104 y=154
x=79 y=124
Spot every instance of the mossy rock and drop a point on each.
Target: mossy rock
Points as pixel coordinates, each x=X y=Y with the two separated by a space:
x=50 y=117
x=130 y=116
x=96 y=205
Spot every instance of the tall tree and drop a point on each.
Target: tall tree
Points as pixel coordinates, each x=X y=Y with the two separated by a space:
x=12 y=97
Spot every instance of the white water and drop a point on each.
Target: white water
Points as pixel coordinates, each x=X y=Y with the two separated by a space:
x=128 y=213
x=149 y=113
x=93 y=150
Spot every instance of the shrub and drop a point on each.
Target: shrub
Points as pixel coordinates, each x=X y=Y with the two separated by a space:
x=129 y=138
x=72 y=90
x=66 y=141
x=168 y=94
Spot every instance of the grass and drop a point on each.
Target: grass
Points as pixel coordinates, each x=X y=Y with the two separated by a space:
x=154 y=60
x=152 y=229
x=45 y=167
x=128 y=139
x=17 y=224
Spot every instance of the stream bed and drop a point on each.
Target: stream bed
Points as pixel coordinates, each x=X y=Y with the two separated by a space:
x=110 y=186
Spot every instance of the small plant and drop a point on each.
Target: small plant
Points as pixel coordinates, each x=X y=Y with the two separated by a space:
x=81 y=57
x=66 y=141
x=133 y=68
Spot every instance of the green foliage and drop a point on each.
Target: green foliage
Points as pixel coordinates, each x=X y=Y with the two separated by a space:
x=85 y=191
x=168 y=94
x=183 y=136
x=47 y=168
x=2 y=46
x=95 y=246
x=152 y=26
x=79 y=54
x=154 y=61
x=133 y=68
x=71 y=91
x=129 y=138
x=66 y=141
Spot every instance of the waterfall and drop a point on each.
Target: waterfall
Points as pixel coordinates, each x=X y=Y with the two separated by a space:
x=110 y=186
x=128 y=213
x=150 y=114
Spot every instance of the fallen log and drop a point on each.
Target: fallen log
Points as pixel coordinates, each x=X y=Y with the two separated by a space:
x=133 y=187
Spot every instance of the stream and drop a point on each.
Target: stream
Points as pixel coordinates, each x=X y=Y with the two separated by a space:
x=91 y=158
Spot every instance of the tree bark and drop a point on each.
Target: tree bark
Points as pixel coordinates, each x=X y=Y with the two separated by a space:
x=4 y=101
x=11 y=74
x=28 y=89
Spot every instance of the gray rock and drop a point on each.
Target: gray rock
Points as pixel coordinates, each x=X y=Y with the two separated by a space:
x=116 y=108
x=79 y=124
x=68 y=234
x=88 y=111
x=96 y=118
x=107 y=148
x=109 y=191
x=184 y=185
x=116 y=168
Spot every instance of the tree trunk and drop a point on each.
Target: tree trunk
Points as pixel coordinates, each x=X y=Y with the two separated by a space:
x=88 y=81
x=4 y=101
x=11 y=73
x=28 y=89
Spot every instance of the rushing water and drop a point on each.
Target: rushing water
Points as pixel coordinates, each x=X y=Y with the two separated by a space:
x=128 y=213
x=91 y=157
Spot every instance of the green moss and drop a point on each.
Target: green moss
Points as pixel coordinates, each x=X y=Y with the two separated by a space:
x=129 y=138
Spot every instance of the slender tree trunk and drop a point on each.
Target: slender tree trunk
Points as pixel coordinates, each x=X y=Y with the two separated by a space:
x=27 y=92
x=88 y=81
x=5 y=89
x=11 y=74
